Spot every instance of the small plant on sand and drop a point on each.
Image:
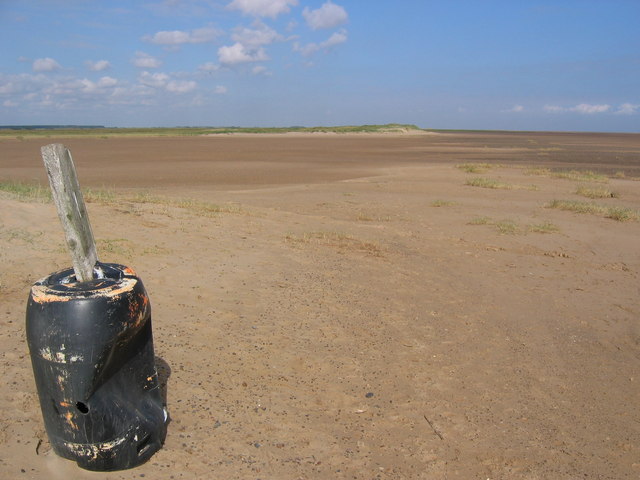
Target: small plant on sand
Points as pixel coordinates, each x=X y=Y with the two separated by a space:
x=475 y=167
x=595 y=192
x=507 y=227
x=621 y=214
x=443 y=203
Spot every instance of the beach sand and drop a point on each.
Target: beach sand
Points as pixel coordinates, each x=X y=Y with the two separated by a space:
x=348 y=306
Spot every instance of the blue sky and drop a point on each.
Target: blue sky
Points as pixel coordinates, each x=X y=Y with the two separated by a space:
x=519 y=65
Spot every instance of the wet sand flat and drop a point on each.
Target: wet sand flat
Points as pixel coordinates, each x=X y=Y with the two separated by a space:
x=352 y=306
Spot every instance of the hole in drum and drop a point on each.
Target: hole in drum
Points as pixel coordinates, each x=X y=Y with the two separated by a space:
x=82 y=407
x=143 y=445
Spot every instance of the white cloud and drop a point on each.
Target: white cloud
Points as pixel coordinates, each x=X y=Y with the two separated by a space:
x=144 y=60
x=335 y=39
x=179 y=37
x=45 y=65
x=238 y=53
x=156 y=80
x=220 y=89
x=583 y=109
x=106 y=82
x=209 y=67
x=628 y=109
x=329 y=15
x=260 y=70
x=98 y=66
x=553 y=109
x=310 y=48
x=91 y=87
x=587 y=109
x=181 y=86
x=9 y=104
x=517 y=109
x=254 y=37
x=263 y=8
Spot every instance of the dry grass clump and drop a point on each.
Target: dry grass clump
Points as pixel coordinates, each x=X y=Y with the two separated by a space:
x=621 y=214
x=338 y=240
x=484 y=182
x=475 y=167
x=595 y=192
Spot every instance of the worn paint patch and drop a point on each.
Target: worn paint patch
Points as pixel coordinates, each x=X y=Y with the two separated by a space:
x=45 y=294
x=92 y=450
x=59 y=357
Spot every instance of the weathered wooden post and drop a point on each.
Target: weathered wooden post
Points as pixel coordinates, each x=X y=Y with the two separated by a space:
x=71 y=209
x=91 y=345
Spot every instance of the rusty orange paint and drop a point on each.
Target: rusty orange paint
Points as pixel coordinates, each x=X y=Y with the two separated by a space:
x=129 y=271
x=69 y=417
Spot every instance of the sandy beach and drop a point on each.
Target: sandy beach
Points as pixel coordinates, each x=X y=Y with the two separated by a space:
x=355 y=306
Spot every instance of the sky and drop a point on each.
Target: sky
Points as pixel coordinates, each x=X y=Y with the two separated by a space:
x=449 y=64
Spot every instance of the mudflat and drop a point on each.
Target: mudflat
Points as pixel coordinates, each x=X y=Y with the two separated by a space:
x=444 y=305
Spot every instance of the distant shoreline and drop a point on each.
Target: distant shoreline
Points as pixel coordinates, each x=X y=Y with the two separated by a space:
x=23 y=132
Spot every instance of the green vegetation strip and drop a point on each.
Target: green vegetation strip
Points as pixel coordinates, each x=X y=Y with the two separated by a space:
x=195 y=131
x=621 y=214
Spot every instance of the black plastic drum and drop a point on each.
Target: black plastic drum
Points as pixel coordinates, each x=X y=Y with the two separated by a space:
x=92 y=352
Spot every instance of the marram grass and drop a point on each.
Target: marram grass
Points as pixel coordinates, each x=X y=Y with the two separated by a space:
x=484 y=182
x=621 y=214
